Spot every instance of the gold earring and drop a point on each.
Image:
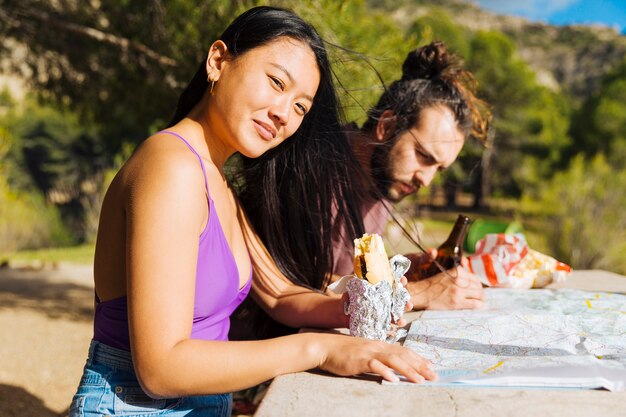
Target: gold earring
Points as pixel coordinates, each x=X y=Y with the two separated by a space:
x=210 y=79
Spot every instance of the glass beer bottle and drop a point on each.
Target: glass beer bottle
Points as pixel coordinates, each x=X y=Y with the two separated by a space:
x=449 y=253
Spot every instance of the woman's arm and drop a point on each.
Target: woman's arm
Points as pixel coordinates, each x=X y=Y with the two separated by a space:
x=197 y=367
x=284 y=301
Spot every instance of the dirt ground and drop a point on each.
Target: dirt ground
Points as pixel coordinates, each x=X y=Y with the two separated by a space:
x=45 y=329
x=46 y=324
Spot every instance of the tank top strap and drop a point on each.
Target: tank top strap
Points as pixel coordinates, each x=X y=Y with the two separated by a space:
x=206 y=182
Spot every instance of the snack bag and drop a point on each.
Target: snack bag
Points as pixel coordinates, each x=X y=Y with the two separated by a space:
x=506 y=261
x=537 y=270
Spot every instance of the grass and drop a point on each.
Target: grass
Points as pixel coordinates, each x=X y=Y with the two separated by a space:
x=82 y=254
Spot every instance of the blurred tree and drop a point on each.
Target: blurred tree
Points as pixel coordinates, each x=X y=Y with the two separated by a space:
x=530 y=122
x=600 y=125
x=438 y=25
x=121 y=65
x=26 y=219
x=119 y=62
x=124 y=63
x=367 y=48
x=54 y=154
x=581 y=213
x=118 y=65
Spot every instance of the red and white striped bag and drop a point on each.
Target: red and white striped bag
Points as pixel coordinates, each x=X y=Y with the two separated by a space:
x=503 y=260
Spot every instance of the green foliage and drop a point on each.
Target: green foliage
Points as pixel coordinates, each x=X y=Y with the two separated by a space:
x=600 y=125
x=362 y=59
x=58 y=151
x=546 y=124
x=82 y=254
x=54 y=156
x=581 y=214
x=437 y=25
x=26 y=220
x=610 y=117
x=125 y=63
x=530 y=122
x=119 y=62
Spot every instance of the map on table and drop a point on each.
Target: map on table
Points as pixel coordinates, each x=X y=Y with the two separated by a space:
x=528 y=338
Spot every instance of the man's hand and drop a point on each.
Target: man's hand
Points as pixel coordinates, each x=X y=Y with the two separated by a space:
x=454 y=289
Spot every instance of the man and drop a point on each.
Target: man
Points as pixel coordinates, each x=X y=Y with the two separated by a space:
x=416 y=130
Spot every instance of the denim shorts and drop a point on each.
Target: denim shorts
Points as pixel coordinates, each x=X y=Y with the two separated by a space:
x=109 y=387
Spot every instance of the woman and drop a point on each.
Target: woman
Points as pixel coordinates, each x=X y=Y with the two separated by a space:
x=172 y=259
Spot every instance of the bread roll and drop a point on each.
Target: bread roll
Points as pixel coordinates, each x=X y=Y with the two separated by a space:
x=370 y=259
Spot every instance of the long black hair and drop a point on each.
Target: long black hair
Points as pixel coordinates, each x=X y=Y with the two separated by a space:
x=293 y=193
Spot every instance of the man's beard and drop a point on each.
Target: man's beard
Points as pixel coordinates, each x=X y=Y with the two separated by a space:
x=380 y=170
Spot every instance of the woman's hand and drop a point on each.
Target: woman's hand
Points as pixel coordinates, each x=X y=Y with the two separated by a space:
x=345 y=355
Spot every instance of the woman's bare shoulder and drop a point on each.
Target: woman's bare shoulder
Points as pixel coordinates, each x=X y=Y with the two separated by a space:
x=164 y=159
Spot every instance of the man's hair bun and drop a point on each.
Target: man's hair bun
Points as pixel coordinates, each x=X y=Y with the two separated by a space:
x=429 y=62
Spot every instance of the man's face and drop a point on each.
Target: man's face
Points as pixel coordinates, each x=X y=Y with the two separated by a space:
x=417 y=154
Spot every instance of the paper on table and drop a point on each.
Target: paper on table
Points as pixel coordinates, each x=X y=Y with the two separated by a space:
x=558 y=376
x=579 y=377
x=533 y=338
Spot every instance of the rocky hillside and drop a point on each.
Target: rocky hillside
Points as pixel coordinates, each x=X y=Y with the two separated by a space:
x=571 y=59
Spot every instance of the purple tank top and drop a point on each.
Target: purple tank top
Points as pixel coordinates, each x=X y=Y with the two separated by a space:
x=217 y=292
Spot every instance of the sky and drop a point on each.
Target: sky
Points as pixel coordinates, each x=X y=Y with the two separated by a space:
x=563 y=12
